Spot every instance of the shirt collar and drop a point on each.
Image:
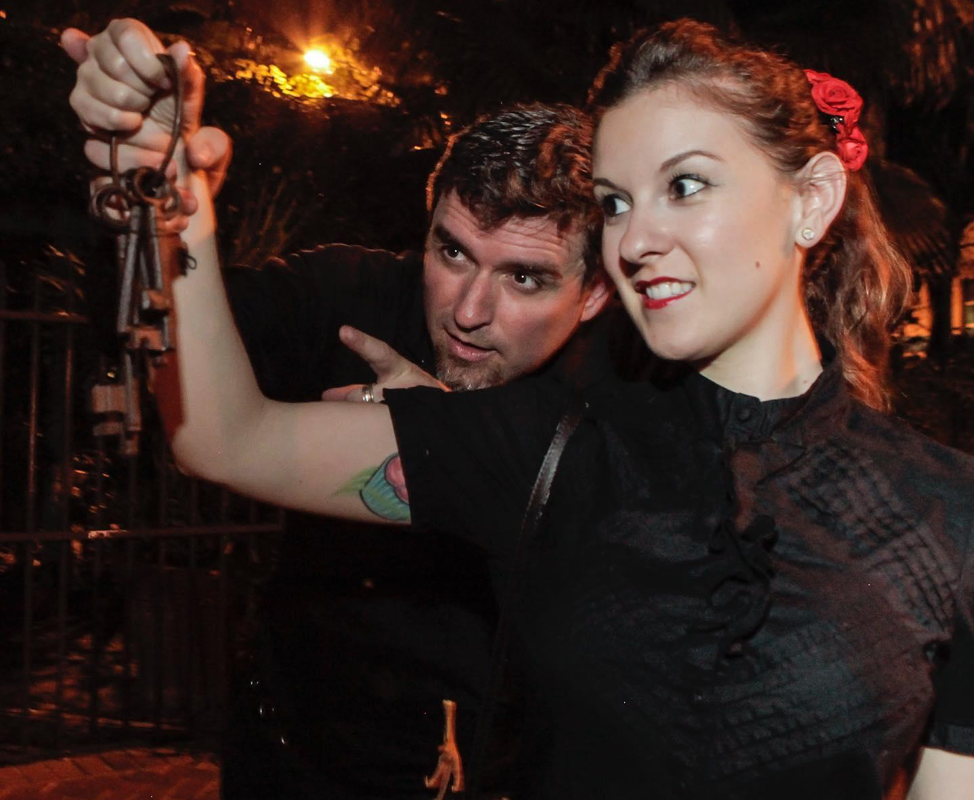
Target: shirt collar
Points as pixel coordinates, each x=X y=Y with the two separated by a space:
x=735 y=417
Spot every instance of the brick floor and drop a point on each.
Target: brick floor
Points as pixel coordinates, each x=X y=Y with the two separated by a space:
x=130 y=774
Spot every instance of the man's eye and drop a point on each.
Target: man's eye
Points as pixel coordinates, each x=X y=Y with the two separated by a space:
x=451 y=252
x=686 y=185
x=525 y=280
x=613 y=206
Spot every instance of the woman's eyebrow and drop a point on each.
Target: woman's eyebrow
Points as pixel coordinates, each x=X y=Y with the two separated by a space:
x=671 y=162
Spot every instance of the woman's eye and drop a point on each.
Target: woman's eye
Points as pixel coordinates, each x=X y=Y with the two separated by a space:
x=525 y=280
x=686 y=185
x=613 y=206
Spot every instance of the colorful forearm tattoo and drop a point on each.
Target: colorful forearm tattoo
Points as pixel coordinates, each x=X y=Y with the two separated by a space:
x=382 y=489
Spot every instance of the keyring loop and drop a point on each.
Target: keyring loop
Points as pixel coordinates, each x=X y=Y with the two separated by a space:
x=148 y=185
x=99 y=206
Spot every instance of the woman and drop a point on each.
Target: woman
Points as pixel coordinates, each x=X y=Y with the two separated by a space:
x=750 y=576
x=751 y=583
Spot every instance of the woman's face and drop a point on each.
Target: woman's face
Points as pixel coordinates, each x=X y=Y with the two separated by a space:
x=699 y=232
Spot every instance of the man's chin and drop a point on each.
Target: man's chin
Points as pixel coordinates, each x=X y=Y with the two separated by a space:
x=461 y=376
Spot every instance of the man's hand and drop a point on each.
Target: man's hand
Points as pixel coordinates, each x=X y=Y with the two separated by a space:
x=122 y=87
x=392 y=371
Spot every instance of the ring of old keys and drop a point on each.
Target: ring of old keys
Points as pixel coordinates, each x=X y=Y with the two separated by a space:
x=134 y=206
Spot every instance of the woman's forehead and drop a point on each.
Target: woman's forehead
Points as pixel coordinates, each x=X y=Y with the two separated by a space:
x=661 y=122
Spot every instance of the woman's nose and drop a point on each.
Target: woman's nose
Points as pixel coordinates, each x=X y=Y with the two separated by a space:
x=643 y=239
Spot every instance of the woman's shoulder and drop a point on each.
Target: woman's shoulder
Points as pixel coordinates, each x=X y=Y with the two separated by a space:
x=900 y=433
x=927 y=465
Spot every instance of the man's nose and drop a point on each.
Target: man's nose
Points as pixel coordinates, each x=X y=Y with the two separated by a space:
x=645 y=237
x=475 y=305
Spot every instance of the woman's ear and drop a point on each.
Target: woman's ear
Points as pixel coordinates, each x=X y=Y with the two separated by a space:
x=822 y=185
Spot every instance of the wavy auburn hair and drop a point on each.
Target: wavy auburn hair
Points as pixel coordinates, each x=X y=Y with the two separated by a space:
x=855 y=282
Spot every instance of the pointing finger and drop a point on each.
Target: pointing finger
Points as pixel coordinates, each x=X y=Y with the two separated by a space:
x=383 y=360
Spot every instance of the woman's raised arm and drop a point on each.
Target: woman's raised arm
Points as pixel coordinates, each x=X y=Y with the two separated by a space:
x=316 y=457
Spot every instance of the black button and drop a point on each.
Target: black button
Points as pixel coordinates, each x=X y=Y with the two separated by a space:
x=744 y=414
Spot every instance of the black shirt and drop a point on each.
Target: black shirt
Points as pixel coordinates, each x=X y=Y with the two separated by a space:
x=365 y=629
x=730 y=598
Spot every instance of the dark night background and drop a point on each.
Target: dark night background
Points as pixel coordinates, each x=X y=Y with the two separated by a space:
x=352 y=168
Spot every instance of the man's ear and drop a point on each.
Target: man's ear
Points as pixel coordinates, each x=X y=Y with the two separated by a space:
x=821 y=187
x=597 y=292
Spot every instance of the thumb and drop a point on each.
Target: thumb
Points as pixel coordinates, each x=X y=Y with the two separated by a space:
x=350 y=394
x=210 y=149
x=75 y=44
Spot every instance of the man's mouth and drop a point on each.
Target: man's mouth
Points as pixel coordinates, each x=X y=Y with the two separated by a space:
x=465 y=351
x=660 y=292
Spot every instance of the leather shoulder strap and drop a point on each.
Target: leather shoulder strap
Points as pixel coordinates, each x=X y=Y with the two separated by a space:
x=529 y=525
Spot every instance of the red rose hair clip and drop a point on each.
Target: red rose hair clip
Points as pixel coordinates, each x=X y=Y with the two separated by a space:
x=842 y=104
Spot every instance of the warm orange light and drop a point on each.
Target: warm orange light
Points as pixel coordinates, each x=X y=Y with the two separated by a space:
x=319 y=61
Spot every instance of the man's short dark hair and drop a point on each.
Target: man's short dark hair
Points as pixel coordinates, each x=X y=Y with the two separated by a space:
x=524 y=161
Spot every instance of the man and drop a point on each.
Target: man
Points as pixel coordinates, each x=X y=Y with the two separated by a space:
x=364 y=633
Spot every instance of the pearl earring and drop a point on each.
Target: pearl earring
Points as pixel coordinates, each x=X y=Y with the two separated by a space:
x=808 y=234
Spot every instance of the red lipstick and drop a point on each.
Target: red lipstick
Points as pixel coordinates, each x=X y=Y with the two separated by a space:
x=654 y=303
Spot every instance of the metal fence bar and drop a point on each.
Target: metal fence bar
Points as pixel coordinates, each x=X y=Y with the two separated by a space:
x=30 y=511
x=140 y=533
x=96 y=548
x=157 y=656
x=88 y=524
x=47 y=317
x=62 y=613
x=191 y=638
x=127 y=698
x=3 y=371
x=28 y=567
x=64 y=497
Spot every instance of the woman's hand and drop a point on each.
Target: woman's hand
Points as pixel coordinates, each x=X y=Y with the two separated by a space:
x=122 y=88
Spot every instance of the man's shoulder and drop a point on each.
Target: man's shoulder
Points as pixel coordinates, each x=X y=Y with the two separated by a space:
x=339 y=263
x=335 y=276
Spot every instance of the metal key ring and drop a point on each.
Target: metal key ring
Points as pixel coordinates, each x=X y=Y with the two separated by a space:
x=145 y=184
x=100 y=204
x=169 y=65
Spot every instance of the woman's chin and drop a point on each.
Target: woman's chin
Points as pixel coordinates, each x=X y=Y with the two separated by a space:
x=676 y=350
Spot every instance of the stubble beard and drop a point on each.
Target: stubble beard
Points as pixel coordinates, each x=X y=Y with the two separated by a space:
x=461 y=376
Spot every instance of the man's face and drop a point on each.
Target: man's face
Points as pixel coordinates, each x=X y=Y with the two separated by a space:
x=500 y=303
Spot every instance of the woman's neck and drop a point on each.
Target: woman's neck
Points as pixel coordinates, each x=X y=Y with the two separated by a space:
x=775 y=368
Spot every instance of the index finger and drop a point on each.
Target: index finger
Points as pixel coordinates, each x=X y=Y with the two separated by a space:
x=134 y=60
x=380 y=356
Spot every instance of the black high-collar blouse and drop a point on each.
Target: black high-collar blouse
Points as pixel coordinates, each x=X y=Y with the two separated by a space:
x=730 y=598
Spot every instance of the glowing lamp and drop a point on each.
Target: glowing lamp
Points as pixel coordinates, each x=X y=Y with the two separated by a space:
x=319 y=61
